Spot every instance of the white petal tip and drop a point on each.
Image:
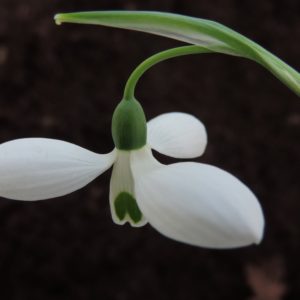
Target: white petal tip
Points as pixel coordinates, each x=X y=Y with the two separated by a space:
x=258 y=235
x=141 y=223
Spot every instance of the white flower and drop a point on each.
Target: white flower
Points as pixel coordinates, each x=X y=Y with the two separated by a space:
x=190 y=202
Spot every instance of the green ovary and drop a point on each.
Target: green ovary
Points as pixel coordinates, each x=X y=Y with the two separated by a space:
x=129 y=129
x=124 y=205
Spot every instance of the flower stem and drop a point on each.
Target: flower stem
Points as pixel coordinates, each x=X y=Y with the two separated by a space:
x=153 y=60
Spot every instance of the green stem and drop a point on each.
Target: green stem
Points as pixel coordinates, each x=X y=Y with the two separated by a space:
x=153 y=60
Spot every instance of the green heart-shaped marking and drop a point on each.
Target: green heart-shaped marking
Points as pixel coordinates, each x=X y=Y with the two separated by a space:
x=125 y=204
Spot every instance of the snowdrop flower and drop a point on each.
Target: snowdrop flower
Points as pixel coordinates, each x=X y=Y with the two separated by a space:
x=194 y=203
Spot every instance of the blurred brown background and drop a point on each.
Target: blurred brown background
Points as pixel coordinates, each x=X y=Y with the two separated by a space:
x=64 y=82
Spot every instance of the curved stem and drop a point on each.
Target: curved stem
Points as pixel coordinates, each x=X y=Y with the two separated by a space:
x=153 y=60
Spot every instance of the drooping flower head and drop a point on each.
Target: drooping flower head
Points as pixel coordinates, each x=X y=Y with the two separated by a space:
x=195 y=203
x=191 y=202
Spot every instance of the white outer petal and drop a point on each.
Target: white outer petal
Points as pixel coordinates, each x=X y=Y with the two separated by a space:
x=197 y=204
x=40 y=168
x=122 y=181
x=176 y=134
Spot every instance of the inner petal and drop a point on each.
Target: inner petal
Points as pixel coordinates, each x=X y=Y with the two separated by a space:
x=123 y=205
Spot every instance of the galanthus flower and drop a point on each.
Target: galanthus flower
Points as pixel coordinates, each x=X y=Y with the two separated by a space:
x=191 y=202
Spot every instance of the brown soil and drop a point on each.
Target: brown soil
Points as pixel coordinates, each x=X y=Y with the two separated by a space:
x=64 y=82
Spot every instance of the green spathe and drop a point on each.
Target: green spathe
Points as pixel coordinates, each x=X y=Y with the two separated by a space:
x=129 y=129
x=125 y=204
x=204 y=33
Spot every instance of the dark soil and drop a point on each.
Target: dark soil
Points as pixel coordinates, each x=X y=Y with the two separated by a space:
x=64 y=82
